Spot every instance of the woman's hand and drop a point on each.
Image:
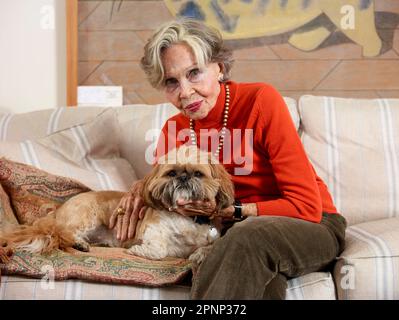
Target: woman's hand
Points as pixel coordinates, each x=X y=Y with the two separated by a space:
x=202 y=208
x=129 y=210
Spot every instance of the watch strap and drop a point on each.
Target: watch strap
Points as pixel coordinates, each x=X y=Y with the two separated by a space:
x=238 y=211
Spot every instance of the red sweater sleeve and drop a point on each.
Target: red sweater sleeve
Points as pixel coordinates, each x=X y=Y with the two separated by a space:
x=293 y=171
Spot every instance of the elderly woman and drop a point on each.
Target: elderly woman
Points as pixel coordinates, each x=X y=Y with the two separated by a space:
x=290 y=225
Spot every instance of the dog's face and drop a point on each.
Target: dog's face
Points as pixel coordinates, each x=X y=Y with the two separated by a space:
x=189 y=174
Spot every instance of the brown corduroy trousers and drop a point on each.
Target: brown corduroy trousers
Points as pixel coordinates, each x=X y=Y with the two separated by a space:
x=255 y=257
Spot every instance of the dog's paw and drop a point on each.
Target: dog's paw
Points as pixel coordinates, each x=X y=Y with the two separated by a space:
x=147 y=251
x=131 y=251
x=5 y=253
x=199 y=255
x=82 y=246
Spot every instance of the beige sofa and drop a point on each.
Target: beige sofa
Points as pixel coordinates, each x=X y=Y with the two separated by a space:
x=352 y=143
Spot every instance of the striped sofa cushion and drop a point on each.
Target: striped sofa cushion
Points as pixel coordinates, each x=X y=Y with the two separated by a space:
x=369 y=266
x=140 y=126
x=88 y=153
x=42 y=122
x=136 y=122
x=314 y=286
x=22 y=288
x=354 y=146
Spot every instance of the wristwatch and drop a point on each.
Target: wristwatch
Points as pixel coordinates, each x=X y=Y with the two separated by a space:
x=238 y=211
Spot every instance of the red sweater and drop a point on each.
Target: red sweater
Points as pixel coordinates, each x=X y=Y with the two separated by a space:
x=281 y=180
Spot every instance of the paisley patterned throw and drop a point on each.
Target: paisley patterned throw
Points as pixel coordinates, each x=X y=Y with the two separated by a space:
x=33 y=192
x=109 y=265
x=6 y=213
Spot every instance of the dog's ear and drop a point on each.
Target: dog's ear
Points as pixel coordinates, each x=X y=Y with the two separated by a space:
x=146 y=193
x=225 y=195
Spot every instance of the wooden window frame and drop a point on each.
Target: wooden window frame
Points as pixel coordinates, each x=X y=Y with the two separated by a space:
x=72 y=51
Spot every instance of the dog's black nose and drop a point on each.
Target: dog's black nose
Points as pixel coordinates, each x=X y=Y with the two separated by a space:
x=184 y=177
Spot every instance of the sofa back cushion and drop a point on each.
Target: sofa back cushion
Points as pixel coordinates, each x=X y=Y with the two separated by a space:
x=18 y=127
x=140 y=126
x=88 y=152
x=136 y=123
x=353 y=145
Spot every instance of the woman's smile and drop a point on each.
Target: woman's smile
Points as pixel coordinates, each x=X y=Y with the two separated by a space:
x=193 y=107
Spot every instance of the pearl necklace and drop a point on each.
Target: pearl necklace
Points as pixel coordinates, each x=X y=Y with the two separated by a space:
x=224 y=125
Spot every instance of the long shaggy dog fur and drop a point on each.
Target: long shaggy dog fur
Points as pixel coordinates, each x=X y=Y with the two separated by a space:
x=83 y=220
x=43 y=236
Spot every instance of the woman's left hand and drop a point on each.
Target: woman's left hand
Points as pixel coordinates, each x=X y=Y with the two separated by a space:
x=202 y=208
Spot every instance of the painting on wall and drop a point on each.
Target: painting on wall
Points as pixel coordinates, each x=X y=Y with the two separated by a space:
x=345 y=48
x=240 y=19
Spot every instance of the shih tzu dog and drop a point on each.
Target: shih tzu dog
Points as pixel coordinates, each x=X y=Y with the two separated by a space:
x=185 y=173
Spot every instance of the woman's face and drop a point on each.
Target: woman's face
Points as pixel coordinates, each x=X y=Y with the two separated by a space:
x=190 y=88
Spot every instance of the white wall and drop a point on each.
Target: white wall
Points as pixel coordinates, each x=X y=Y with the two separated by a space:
x=32 y=55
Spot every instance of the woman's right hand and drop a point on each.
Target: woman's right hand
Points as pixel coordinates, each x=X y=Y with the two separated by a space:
x=132 y=205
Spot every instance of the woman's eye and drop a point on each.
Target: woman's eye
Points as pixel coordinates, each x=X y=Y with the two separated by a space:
x=172 y=173
x=193 y=74
x=171 y=83
x=198 y=174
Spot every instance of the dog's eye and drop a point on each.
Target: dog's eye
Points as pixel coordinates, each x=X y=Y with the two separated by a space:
x=172 y=173
x=198 y=174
